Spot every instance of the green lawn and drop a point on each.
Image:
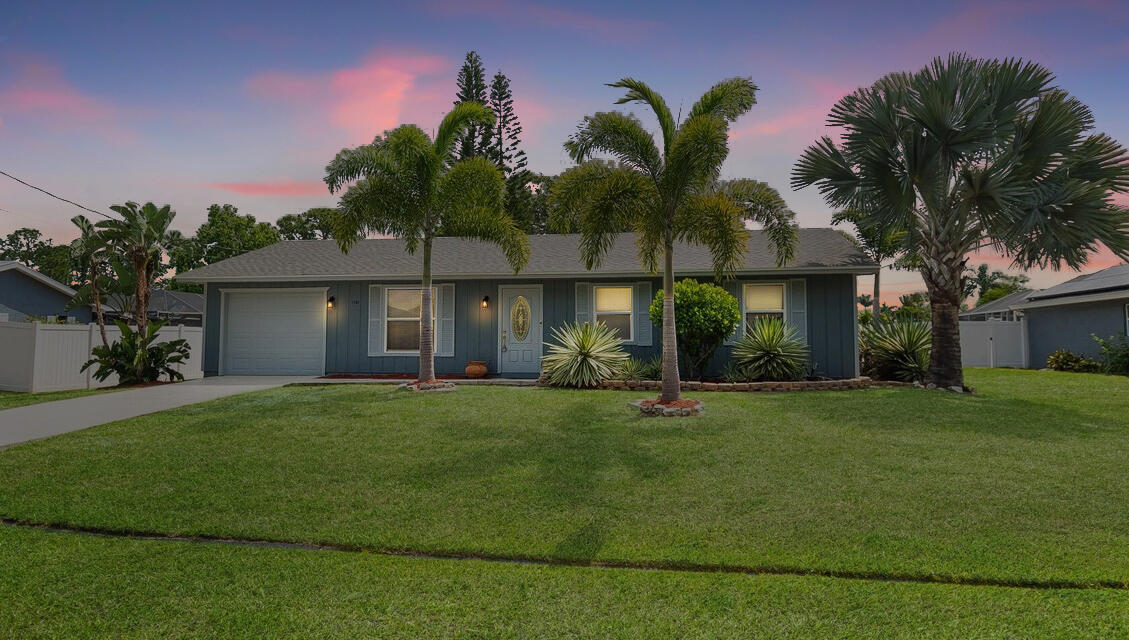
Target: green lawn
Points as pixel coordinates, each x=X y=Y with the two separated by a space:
x=1023 y=482
x=73 y=586
x=11 y=399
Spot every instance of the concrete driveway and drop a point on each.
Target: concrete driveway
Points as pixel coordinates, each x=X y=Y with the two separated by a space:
x=61 y=416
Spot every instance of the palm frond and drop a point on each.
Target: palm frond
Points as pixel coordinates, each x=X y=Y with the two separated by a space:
x=761 y=204
x=473 y=192
x=713 y=219
x=728 y=99
x=618 y=134
x=694 y=159
x=638 y=91
x=455 y=124
x=598 y=200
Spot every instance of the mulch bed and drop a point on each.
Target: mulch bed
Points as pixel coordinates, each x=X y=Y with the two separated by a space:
x=388 y=376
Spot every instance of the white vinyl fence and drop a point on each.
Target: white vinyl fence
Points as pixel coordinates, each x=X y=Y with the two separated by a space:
x=992 y=343
x=37 y=356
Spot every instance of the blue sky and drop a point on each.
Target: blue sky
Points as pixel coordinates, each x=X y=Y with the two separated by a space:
x=195 y=103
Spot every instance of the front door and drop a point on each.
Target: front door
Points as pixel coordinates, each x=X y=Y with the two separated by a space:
x=520 y=342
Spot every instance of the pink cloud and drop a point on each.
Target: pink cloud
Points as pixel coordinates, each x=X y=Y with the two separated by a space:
x=41 y=93
x=363 y=101
x=275 y=188
x=529 y=14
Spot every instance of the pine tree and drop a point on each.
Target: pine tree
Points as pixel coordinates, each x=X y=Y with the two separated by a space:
x=505 y=139
x=472 y=88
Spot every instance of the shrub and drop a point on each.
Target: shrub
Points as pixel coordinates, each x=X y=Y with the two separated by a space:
x=771 y=350
x=652 y=368
x=631 y=369
x=1115 y=354
x=704 y=316
x=123 y=356
x=896 y=350
x=585 y=355
x=1066 y=360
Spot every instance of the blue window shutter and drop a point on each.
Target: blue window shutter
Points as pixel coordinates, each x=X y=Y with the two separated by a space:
x=583 y=302
x=798 y=306
x=445 y=316
x=734 y=289
x=642 y=314
x=375 y=320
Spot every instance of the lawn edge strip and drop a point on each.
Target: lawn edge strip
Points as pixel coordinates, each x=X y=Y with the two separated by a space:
x=684 y=567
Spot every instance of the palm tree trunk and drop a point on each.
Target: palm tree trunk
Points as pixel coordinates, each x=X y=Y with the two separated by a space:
x=875 y=306
x=426 y=330
x=671 y=385
x=944 y=284
x=98 y=317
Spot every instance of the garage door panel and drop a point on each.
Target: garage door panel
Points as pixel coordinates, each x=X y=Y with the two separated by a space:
x=281 y=332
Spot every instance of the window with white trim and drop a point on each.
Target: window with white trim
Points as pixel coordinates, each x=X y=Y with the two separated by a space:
x=613 y=308
x=762 y=301
x=402 y=307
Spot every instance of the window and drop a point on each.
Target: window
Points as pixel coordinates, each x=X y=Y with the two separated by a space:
x=402 y=312
x=763 y=300
x=613 y=308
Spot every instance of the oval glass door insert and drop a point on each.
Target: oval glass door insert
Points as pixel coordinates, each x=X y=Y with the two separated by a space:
x=520 y=314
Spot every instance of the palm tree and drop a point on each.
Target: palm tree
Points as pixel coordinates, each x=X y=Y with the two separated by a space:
x=407 y=185
x=89 y=251
x=969 y=153
x=877 y=243
x=667 y=195
x=141 y=236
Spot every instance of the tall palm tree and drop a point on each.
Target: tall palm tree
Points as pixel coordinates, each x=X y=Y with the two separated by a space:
x=407 y=185
x=141 y=236
x=89 y=251
x=879 y=244
x=969 y=153
x=667 y=195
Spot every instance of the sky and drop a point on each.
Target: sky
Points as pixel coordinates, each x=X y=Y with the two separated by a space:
x=198 y=103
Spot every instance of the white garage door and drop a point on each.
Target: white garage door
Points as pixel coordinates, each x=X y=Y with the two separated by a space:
x=274 y=332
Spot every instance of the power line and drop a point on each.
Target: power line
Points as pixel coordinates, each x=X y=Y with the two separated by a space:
x=53 y=195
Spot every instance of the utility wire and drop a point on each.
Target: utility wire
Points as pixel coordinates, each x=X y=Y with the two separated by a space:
x=53 y=195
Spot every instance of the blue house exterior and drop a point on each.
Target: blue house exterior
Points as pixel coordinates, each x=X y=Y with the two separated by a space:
x=303 y=308
x=26 y=292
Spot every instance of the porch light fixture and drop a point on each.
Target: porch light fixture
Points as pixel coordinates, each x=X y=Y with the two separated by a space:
x=485 y=301
x=329 y=303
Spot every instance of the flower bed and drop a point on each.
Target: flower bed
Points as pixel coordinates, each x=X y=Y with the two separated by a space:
x=803 y=385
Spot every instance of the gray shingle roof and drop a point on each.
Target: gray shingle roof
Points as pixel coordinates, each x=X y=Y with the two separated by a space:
x=179 y=302
x=1109 y=279
x=551 y=255
x=1000 y=304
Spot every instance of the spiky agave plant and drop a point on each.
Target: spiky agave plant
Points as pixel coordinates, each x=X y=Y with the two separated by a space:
x=897 y=350
x=584 y=356
x=771 y=350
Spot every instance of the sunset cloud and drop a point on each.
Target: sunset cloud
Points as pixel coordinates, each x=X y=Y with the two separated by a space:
x=274 y=188
x=40 y=93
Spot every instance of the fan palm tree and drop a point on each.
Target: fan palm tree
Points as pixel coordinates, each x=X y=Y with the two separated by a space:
x=141 y=237
x=877 y=243
x=89 y=251
x=669 y=193
x=405 y=184
x=969 y=153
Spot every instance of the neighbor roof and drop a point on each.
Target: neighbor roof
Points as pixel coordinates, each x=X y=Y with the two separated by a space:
x=12 y=265
x=176 y=302
x=1110 y=279
x=999 y=304
x=551 y=255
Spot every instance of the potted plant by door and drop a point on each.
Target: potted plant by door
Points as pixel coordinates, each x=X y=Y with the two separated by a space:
x=476 y=369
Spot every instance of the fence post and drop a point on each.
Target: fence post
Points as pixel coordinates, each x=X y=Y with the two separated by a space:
x=90 y=348
x=33 y=387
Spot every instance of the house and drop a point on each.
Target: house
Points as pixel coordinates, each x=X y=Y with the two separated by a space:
x=174 y=307
x=304 y=307
x=1065 y=316
x=998 y=309
x=25 y=292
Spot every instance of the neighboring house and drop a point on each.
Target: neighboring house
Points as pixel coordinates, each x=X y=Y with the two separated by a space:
x=1066 y=315
x=26 y=292
x=304 y=307
x=998 y=309
x=175 y=307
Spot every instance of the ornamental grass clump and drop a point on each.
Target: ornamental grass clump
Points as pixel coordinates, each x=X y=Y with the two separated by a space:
x=771 y=351
x=584 y=356
x=897 y=350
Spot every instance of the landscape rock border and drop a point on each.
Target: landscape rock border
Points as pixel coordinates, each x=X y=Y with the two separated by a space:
x=428 y=387
x=680 y=408
x=848 y=384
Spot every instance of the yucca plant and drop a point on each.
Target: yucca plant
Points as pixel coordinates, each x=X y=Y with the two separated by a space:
x=772 y=350
x=896 y=350
x=584 y=356
x=632 y=369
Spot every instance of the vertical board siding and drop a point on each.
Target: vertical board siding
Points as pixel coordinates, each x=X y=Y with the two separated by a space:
x=1069 y=327
x=830 y=324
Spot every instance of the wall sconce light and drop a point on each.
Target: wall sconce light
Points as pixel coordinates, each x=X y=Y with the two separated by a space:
x=485 y=301
x=329 y=303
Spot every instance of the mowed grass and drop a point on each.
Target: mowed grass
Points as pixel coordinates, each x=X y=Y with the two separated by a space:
x=74 y=586
x=12 y=399
x=1024 y=481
